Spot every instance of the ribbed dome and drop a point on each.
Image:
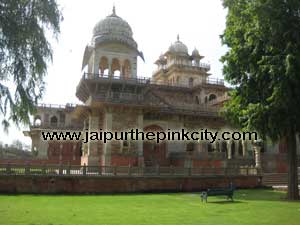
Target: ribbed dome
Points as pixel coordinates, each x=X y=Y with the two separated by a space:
x=113 y=28
x=178 y=47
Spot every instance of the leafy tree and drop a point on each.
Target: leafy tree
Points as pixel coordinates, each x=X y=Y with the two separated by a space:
x=263 y=63
x=24 y=54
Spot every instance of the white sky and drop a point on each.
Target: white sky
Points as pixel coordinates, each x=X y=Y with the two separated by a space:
x=155 y=25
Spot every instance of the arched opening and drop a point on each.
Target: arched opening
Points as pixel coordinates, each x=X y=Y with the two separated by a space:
x=233 y=150
x=103 y=66
x=37 y=121
x=126 y=70
x=115 y=66
x=178 y=80
x=240 y=148
x=53 y=121
x=197 y=100
x=117 y=74
x=105 y=72
x=191 y=82
x=154 y=154
x=224 y=148
x=209 y=147
x=212 y=97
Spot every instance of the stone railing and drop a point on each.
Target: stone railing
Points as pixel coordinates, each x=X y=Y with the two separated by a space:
x=69 y=170
x=148 y=81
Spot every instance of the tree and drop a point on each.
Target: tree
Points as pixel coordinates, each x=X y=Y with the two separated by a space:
x=24 y=54
x=263 y=64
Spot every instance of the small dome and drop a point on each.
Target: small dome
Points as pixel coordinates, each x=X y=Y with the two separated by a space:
x=195 y=52
x=162 y=57
x=178 y=47
x=113 y=28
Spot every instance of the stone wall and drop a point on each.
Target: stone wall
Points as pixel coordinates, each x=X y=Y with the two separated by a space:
x=84 y=185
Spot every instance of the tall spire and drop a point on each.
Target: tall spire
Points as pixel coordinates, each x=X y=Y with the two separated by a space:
x=177 y=37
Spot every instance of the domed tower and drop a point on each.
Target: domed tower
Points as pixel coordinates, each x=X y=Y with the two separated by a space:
x=109 y=88
x=113 y=51
x=176 y=67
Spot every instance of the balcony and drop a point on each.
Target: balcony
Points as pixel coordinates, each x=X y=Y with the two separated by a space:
x=60 y=126
x=147 y=81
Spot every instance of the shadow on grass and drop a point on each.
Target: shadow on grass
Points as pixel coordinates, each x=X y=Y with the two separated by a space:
x=224 y=202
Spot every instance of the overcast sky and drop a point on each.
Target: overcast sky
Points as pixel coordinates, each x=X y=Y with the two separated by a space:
x=155 y=25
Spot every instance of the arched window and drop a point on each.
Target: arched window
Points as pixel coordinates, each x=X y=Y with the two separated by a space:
x=37 y=121
x=115 y=65
x=103 y=66
x=191 y=82
x=212 y=97
x=53 y=121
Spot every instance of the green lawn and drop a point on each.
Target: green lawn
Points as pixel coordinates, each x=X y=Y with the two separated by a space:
x=250 y=207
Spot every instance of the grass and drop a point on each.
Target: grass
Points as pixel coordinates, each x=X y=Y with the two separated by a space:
x=250 y=207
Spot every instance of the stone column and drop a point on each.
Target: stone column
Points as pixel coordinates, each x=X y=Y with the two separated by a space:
x=96 y=65
x=236 y=148
x=109 y=67
x=257 y=152
x=229 y=152
x=244 y=147
x=140 y=125
x=106 y=160
x=92 y=146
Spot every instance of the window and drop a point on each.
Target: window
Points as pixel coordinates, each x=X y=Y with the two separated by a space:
x=212 y=97
x=37 y=121
x=54 y=121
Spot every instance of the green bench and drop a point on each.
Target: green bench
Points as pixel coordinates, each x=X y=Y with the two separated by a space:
x=218 y=192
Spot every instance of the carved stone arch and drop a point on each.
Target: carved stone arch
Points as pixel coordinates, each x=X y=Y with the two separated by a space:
x=212 y=97
x=103 y=65
x=115 y=65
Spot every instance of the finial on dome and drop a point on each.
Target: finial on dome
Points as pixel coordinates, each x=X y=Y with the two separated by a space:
x=114 y=10
x=177 y=37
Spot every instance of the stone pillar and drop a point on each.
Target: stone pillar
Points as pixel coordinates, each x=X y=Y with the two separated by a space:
x=140 y=125
x=257 y=152
x=106 y=160
x=244 y=147
x=236 y=149
x=92 y=157
x=109 y=67
x=229 y=152
x=96 y=65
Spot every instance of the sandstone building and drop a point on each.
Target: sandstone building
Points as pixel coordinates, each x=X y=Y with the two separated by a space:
x=180 y=94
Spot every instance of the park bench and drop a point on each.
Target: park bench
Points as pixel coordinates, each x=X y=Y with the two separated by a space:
x=218 y=192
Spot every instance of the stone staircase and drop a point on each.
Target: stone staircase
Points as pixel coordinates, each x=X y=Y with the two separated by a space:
x=277 y=179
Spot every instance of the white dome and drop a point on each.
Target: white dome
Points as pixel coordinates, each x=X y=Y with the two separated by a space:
x=178 y=47
x=113 y=28
x=195 y=52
